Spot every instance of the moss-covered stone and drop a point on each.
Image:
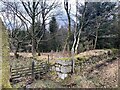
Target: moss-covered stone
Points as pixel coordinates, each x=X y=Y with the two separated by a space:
x=0 y=57
x=66 y=58
x=5 y=57
x=114 y=51
x=81 y=58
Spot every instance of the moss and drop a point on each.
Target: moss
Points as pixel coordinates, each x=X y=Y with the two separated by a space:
x=53 y=73
x=5 y=57
x=66 y=58
x=77 y=58
x=80 y=59
x=114 y=51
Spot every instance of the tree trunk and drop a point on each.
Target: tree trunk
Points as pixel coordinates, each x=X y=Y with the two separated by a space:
x=96 y=39
x=81 y=27
x=69 y=34
x=78 y=40
x=33 y=30
x=33 y=47
x=5 y=71
x=16 y=51
x=67 y=43
x=73 y=60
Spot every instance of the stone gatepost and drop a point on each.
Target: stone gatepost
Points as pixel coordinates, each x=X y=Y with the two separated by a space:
x=4 y=57
x=63 y=67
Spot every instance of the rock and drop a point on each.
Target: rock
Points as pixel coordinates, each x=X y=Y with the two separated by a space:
x=28 y=86
x=62 y=76
x=57 y=69
x=29 y=81
x=66 y=69
x=63 y=67
x=36 y=77
x=64 y=62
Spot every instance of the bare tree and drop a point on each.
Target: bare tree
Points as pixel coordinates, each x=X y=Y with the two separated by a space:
x=96 y=32
x=46 y=13
x=83 y=24
x=14 y=26
x=68 y=9
x=33 y=9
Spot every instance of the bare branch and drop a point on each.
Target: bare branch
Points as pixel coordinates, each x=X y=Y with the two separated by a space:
x=24 y=5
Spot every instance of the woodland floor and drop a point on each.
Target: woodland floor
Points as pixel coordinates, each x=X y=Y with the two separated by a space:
x=104 y=76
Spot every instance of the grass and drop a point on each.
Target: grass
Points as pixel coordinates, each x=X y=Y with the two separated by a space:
x=78 y=78
x=114 y=50
x=45 y=84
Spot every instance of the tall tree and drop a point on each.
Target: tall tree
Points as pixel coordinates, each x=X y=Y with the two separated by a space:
x=80 y=24
x=68 y=9
x=101 y=17
x=53 y=28
x=92 y=16
x=115 y=26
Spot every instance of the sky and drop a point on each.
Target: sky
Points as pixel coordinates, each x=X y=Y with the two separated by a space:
x=64 y=16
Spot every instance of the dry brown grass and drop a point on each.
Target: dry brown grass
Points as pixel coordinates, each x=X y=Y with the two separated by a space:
x=90 y=53
x=55 y=55
x=106 y=76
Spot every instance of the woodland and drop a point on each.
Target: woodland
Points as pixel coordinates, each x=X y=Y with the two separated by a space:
x=55 y=44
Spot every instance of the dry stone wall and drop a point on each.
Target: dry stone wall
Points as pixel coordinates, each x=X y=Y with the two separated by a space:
x=63 y=68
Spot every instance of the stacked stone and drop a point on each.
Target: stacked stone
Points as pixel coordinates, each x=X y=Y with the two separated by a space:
x=63 y=68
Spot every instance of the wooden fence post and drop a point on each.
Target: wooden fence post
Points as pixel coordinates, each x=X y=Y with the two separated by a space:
x=33 y=64
x=73 y=65
x=48 y=59
x=10 y=69
x=48 y=62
